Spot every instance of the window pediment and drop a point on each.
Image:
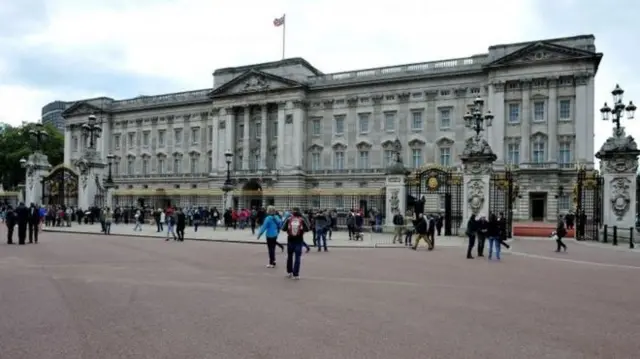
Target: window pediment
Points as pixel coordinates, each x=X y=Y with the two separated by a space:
x=315 y=148
x=194 y=152
x=363 y=144
x=131 y=155
x=444 y=141
x=539 y=136
x=338 y=145
x=416 y=140
x=177 y=154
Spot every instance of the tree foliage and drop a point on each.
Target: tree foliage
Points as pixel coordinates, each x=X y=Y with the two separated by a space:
x=17 y=143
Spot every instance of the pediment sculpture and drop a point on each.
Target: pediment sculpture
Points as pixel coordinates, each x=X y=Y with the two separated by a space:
x=476 y=146
x=256 y=83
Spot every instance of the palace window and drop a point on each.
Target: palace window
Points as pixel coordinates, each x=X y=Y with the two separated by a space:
x=116 y=142
x=538 y=152
x=564 y=153
x=363 y=159
x=339 y=122
x=194 y=168
x=161 y=165
x=209 y=163
x=145 y=166
x=565 y=109
x=131 y=166
x=162 y=138
x=445 y=156
x=132 y=138
x=177 y=136
x=514 y=112
x=390 y=121
x=445 y=119
x=416 y=157
x=363 y=123
x=195 y=135
x=338 y=164
x=538 y=111
x=315 y=161
x=513 y=153
x=416 y=120
x=316 y=129
x=388 y=157
x=177 y=165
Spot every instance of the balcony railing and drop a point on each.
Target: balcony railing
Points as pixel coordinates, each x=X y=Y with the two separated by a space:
x=410 y=69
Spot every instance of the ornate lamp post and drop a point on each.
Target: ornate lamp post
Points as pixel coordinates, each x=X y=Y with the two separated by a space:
x=92 y=130
x=39 y=135
x=616 y=114
x=475 y=120
x=559 y=195
x=228 y=184
x=109 y=181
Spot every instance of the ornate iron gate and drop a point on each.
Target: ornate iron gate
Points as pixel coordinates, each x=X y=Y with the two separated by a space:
x=60 y=187
x=588 y=197
x=502 y=195
x=437 y=191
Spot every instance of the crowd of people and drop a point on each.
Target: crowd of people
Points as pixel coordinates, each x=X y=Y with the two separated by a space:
x=27 y=219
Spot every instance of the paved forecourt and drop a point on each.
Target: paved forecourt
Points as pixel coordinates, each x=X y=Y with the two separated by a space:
x=338 y=238
x=103 y=297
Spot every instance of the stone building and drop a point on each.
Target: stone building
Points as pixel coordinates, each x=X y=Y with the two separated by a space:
x=303 y=137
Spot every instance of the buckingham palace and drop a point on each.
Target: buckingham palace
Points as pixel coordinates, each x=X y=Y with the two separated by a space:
x=299 y=136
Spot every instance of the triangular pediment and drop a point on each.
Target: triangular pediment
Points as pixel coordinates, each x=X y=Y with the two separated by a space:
x=543 y=52
x=81 y=108
x=254 y=81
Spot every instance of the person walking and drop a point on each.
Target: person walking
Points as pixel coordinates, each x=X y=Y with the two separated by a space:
x=10 y=219
x=472 y=230
x=422 y=232
x=322 y=223
x=108 y=217
x=493 y=232
x=22 y=214
x=271 y=227
x=398 y=224
x=561 y=232
x=181 y=223
x=34 y=223
x=171 y=225
x=481 y=234
x=295 y=226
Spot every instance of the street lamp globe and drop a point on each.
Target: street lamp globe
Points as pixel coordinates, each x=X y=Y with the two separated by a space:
x=23 y=162
x=110 y=157
x=228 y=155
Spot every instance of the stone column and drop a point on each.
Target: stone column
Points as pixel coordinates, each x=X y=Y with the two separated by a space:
x=299 y=137
x=581 y=121
x=229 y=117
x=105 y=139
x=497 y=130
x=281 y=124
x=215 y=144
x=67 y=144
x=619 y=164
x=525 y=123
x=477 y=159
x=246 y=138
x=552 y=120
x=263 y=138
x=37 y=167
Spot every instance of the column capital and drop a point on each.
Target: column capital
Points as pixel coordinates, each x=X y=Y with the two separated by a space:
x=498 y=86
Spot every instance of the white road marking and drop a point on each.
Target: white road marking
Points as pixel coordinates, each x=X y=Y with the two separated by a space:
x=575 y=261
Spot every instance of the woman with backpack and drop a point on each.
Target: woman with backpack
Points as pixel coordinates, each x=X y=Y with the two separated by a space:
x=271 y=226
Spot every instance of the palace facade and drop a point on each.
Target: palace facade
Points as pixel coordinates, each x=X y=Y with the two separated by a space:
x=299 y=136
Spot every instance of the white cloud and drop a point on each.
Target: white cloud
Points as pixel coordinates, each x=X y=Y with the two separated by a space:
x=185 y=40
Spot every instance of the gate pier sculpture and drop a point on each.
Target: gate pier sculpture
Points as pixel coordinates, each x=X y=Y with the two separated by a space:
x=619 y=164
x=477 y=159
x=396 y=192
x=37 y=167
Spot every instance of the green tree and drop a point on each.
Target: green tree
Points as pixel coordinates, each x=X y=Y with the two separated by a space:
x=17 y=143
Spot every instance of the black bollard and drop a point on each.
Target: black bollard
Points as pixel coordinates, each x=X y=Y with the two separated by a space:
x=615 y=235
x=604 y=237
x=631 y=244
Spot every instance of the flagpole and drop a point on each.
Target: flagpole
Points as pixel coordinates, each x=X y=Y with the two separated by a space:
x=284 y=27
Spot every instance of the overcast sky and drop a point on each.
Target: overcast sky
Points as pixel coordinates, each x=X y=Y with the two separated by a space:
x=74 y=49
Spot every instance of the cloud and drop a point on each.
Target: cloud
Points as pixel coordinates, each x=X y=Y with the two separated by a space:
x=68 y=49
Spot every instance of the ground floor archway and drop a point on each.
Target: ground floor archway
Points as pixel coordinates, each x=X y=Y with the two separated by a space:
x=251 y=195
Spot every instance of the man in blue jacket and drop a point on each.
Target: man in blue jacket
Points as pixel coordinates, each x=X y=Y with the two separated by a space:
x=271 y=226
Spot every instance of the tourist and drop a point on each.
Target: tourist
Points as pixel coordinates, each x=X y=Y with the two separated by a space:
x=295 y=226
x=215 y=217
x=171 y=224
x=22 y=217
x=431 y=231
x=502 y=224
x=410 y=222
x=398 y=224
x=11 y=220
x=422 y=231
x=107 y=217
x=34 y=223
x=472 y=231
x=322 y=224
x=138 y=218
x=482 y=227
x=493 y=232
x=181 y=222
x=271 y=227
x=561 y=232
